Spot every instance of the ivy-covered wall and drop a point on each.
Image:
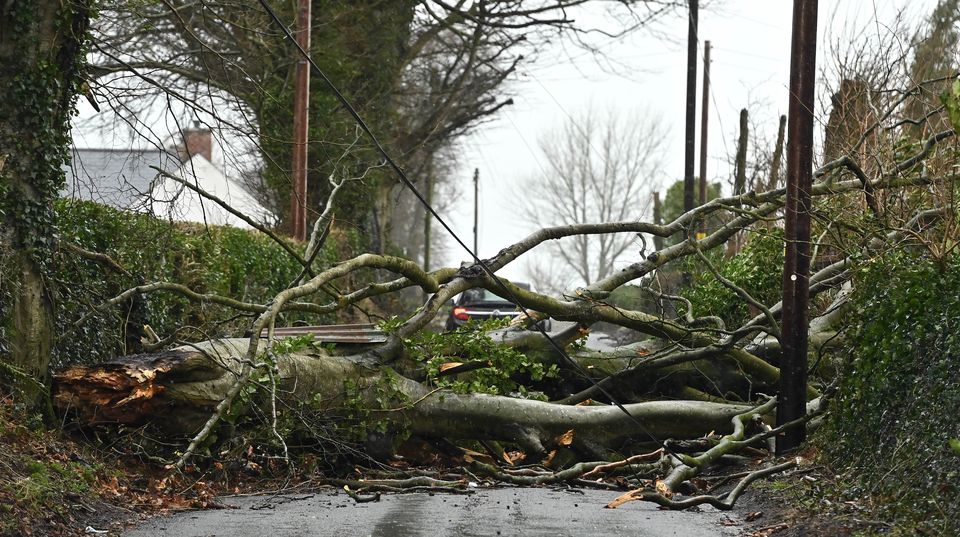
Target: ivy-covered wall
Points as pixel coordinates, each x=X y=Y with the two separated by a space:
x=236 y=263
x=899 y=404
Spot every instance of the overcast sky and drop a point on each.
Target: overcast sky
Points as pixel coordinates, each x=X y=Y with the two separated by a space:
x=749 y=68
x=646 y=71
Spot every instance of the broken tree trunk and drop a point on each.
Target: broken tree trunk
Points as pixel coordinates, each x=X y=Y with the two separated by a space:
x=178 y=389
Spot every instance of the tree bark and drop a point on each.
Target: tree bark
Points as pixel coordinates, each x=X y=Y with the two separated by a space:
x=178 y=389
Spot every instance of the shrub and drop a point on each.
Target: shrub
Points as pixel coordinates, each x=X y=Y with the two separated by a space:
x=896 y=412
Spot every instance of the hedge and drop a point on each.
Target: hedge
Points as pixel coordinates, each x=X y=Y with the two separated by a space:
x=242 y=264
x=897 y=409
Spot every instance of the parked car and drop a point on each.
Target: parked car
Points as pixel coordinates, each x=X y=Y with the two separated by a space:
x=481 y=304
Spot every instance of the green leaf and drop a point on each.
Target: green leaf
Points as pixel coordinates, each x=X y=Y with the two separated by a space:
x=951 y=101
x=955 y=445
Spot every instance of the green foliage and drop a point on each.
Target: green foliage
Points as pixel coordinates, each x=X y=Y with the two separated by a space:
x=48 y=479
x=951 y=101
x=232 y=262
x=673 y=205
x=503 y=370
x=361 y=419
x=43 y=488
x=757 y=268
x=896 y=413
x=292 y=344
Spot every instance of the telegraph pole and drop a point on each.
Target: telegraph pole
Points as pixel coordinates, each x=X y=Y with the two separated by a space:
x=658 y=220
x=427 y=217
x=740 y=164
x=691 y=124
x=704 y=113
x=476 y=209
x=796 y=270
x=301 y=107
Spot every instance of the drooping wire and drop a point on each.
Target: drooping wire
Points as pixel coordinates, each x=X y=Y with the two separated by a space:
x=413 y=189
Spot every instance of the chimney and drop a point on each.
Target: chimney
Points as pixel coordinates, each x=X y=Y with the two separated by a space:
x=196 y=142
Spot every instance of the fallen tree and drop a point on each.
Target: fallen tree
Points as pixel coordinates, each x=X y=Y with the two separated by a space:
x=569 y=409
x=185 y=384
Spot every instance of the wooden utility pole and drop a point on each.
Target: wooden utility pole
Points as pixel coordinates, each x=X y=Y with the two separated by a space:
x=301 y=108
x=427 y=217
x=740 y=165
x=658 y=220
x=476 y=210
x=796 y=270
x=704 y=118
x=691 y=124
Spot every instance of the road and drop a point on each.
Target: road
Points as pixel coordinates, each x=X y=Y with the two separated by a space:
x=527 y=512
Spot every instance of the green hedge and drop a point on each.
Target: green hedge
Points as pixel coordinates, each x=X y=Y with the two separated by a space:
x=899 y=403
x=241 y=264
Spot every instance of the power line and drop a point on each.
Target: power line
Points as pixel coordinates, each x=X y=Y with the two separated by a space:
x=409 y=184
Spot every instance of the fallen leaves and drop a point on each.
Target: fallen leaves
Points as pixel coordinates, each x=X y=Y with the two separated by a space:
x=565 y=439
x=768 y=530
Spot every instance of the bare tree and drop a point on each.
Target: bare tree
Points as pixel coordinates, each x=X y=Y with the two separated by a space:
x=599 y=167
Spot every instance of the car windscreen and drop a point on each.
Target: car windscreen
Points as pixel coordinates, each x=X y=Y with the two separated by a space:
x=474 y=296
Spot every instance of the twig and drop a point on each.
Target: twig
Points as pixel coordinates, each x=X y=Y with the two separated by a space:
x=629 y=460
x=725 y=504
x=98 y=257
x=361 y=499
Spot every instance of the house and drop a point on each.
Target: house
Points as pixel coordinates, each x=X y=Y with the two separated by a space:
x=129 y=179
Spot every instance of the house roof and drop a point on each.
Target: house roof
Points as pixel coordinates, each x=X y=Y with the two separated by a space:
x=126 y=179
x=172 y=200
x=117 y=177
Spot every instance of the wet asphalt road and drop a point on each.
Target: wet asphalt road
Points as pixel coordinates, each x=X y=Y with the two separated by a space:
x=488 y=512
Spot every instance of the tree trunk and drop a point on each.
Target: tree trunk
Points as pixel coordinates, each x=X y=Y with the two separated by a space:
x=41 y=55
x=31 y=332
x=178 y=390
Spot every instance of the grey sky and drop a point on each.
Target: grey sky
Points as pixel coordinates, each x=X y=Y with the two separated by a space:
x=749 y=68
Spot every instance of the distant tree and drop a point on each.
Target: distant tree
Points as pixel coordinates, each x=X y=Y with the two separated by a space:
x=935 y=56
x=598 y=168
x=673 y=205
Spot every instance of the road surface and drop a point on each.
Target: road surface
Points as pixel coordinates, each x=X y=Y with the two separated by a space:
x=527 y=512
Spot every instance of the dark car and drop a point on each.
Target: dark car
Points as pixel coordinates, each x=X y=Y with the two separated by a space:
x=481 y=304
